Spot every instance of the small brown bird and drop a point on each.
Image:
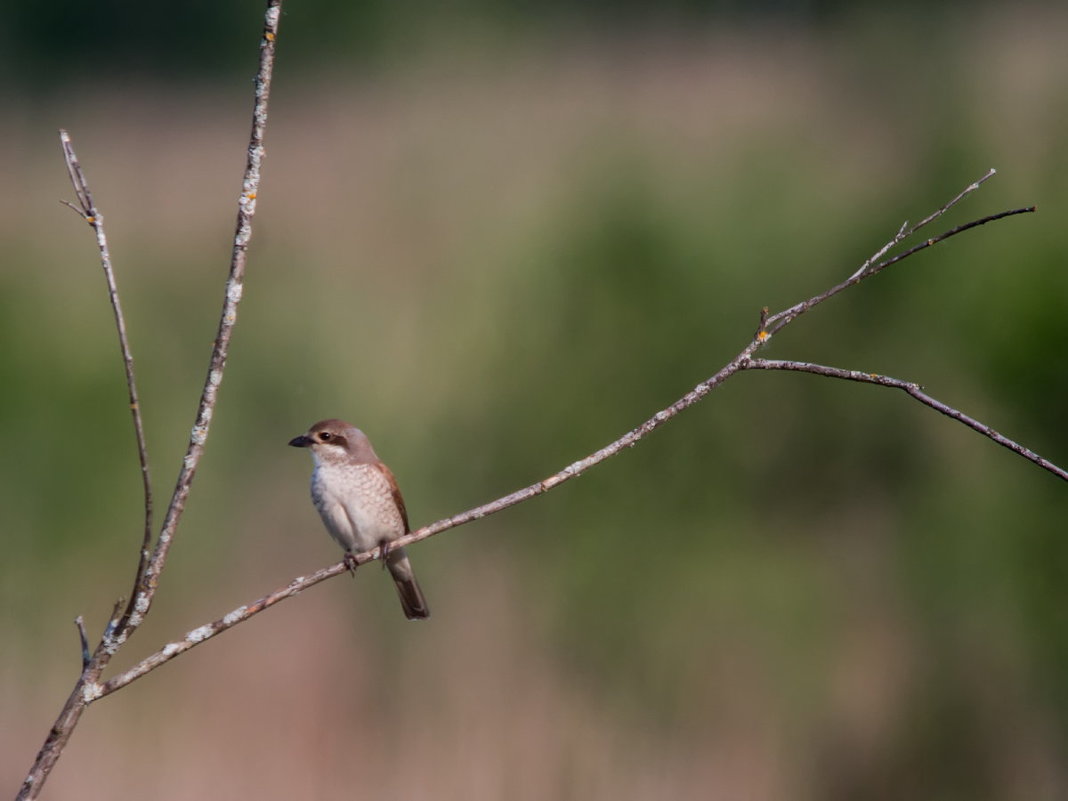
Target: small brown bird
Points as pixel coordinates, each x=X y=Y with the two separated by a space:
x=361 y=506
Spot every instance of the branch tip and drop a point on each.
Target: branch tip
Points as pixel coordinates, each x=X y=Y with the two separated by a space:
x=80 y=623
x=913 y=390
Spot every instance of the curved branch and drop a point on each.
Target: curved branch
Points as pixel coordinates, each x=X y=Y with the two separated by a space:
x=916 y=391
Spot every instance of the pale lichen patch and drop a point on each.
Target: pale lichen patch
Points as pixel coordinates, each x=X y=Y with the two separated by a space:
x=235 y=616
x=198 y=634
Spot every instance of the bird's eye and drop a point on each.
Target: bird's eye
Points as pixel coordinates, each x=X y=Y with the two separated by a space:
x=326 y=436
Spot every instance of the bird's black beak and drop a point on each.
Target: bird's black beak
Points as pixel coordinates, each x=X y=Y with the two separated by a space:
x=303 y=441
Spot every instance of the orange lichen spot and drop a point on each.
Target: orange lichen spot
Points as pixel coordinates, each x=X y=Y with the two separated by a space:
x=269 y=36
x=763 y=336
x=90 y=219
x=251 y=195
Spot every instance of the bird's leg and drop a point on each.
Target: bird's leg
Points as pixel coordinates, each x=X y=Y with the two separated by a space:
x=383 y=551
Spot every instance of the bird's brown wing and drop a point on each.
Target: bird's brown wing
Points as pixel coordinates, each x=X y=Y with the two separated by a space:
x=397 y=497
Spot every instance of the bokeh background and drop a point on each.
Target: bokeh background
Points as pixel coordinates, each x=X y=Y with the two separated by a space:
x=496 y=236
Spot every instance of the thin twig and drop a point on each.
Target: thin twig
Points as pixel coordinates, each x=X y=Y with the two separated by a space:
x=780 y=320
x=87 y=689
x=913 y=390
x=783 y=318
x=960 y=229
x=972 y=187
x=145 y=593
x=742 y=361
x=84 y=638
x=238 y=615
x=91 y=214
x=904 y=232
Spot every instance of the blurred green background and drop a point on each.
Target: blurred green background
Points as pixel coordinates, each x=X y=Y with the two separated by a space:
x=496 y=236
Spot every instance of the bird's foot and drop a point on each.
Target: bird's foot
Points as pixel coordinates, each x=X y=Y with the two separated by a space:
x=350 y=563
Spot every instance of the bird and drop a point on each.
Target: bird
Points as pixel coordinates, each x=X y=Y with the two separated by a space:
x=361 y=506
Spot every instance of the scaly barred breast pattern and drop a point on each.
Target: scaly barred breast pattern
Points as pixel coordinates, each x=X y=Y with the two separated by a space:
x=356 y=504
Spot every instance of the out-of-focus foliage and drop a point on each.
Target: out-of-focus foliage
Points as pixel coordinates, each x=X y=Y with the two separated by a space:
x=49 y=44
x=496 y=251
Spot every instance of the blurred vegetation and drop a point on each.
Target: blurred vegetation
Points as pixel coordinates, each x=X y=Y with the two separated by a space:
x=496 y=238
x=45 y=43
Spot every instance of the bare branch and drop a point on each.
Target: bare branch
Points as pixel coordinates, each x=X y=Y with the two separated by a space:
x=742 y=361
x=780 y=320
x=87 y=689
x=238 y=615
x=142 y=600
x=905 y=232
x=916 y=391
x=901 y=234
x=972 y=187
x=946 y=235
x=89 y=212
x=872 y=265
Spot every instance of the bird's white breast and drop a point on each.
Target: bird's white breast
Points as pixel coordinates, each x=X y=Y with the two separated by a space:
x=356 y=504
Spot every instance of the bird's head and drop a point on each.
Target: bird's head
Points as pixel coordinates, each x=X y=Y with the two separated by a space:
x=335 y=440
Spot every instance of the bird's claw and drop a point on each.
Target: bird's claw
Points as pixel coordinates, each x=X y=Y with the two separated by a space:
x=350 y=563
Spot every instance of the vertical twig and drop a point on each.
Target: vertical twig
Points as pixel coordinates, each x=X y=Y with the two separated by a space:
x=91 y=214
x=142 y=600
x=88 y=688
x=84 y=638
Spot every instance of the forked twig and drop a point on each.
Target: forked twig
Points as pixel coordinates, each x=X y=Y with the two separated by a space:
x=742 y=361
x=780 y=320
x=89 y=212
x=905 y=232
x=120 y=627
x=872 y=265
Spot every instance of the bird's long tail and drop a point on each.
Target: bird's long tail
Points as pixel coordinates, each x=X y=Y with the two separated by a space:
x=411 y=596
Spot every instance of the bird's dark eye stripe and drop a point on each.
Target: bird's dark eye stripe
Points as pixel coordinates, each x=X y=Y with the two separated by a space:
x=325 y=436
